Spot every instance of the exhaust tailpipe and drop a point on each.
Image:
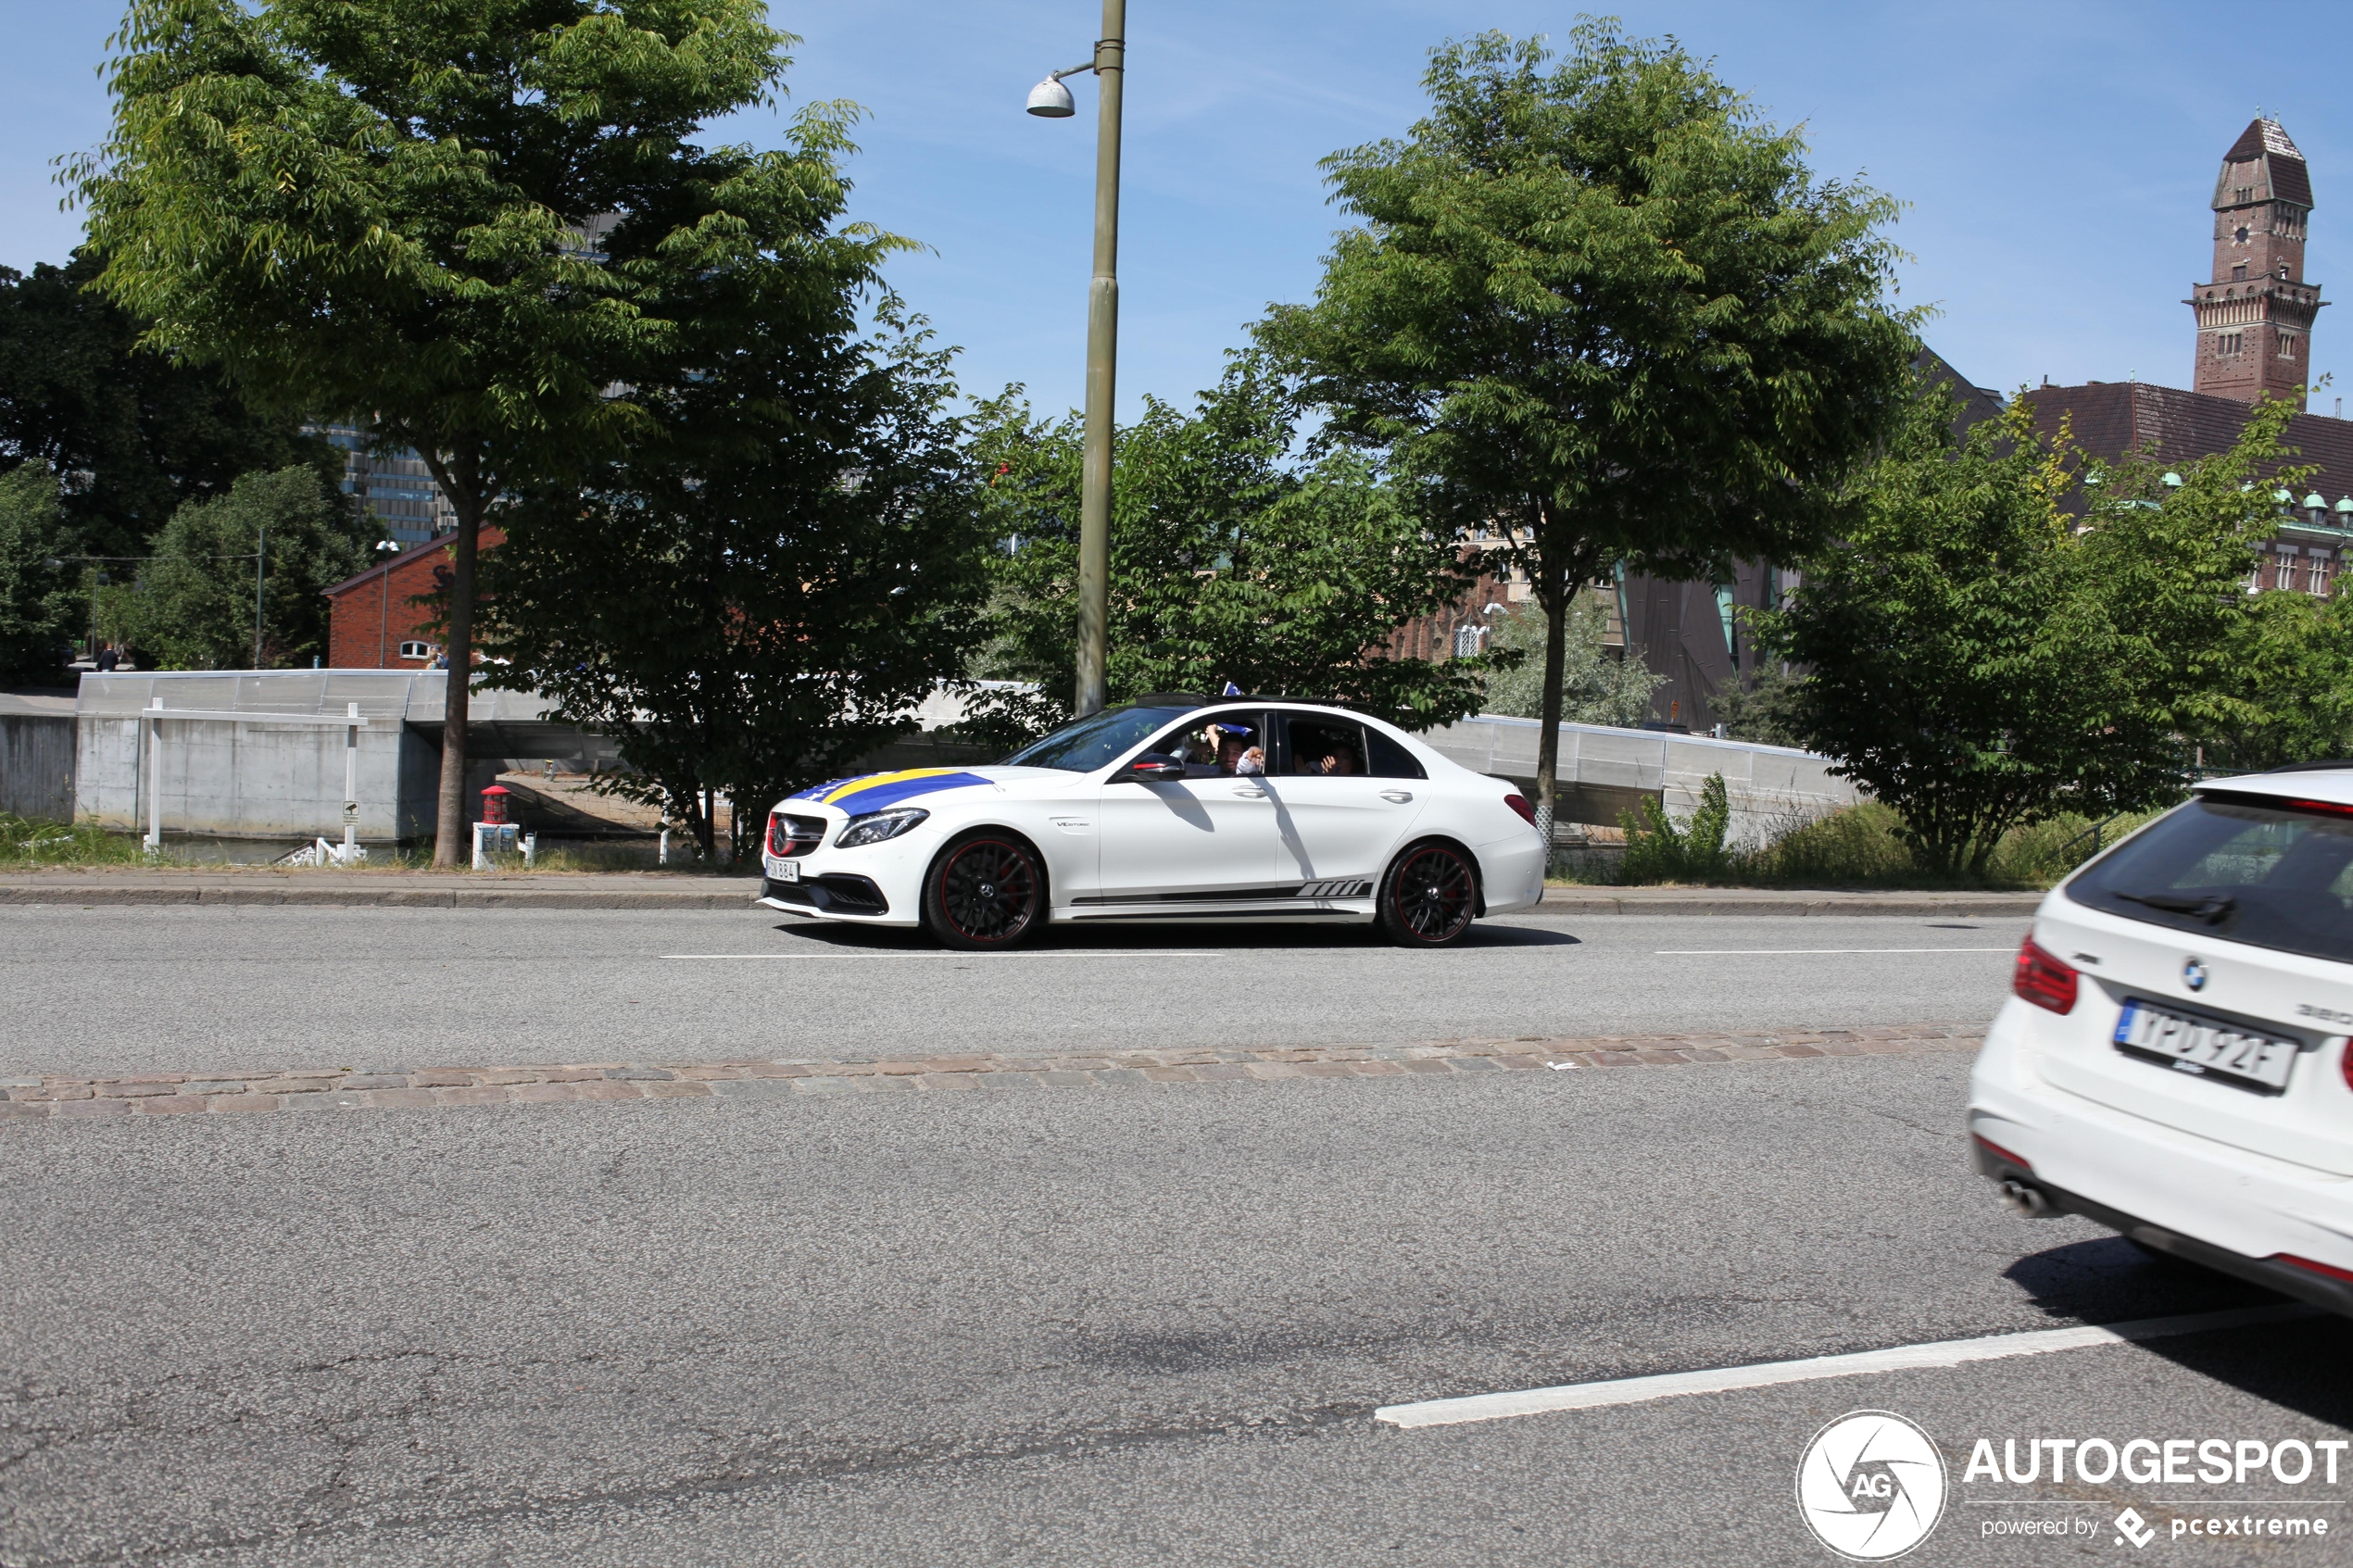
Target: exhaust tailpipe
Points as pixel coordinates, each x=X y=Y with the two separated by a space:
x=2027 y=1202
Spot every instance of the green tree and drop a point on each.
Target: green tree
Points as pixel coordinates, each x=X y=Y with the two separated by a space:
x=2288 y=685
x=137 y=430
x=39 y=609
x=1761 y=712
x=1606 y=310
x=473 y=228
x=766 y=593
x=1595 y=688
x=1231 y=561
x=1981 y=658
x=194 y=605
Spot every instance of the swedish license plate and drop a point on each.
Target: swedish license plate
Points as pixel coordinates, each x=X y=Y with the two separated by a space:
x=784 y=870
x=2203 y=1047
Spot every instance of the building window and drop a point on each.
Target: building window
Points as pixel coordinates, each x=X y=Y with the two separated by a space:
x=1469 y=640
x=2238 y=274
x=2287 y=345
x=416 y=650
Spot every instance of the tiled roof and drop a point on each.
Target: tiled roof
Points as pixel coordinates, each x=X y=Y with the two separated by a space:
x=491 y=537
x=2268 y=140
x=2113 y=420
x=1977 y=403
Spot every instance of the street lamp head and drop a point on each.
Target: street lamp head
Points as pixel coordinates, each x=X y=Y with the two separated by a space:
x=1050 y=100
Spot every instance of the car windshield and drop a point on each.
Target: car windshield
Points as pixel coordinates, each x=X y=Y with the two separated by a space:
x=1095 y=741
x=2247 y=868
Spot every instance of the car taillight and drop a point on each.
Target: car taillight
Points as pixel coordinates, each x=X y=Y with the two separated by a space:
x=2345 y=1061
x=2004 y=1155
x=1518 y=802
x=2041 y=979
x=2326 y=1270
x=779 y=839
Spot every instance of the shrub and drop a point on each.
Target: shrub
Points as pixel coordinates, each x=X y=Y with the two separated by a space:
x=1657 y=850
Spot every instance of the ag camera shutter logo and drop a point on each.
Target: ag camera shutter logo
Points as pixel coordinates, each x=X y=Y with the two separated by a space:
x=1871 y=1486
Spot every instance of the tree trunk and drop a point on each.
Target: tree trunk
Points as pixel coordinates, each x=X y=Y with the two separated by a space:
x=449 y=846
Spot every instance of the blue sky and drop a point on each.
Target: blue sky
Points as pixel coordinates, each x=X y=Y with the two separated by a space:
x=2058 y=157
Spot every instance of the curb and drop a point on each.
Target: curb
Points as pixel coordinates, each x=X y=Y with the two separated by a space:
x=1796 y=904
x=390 y=897
x=510 y=897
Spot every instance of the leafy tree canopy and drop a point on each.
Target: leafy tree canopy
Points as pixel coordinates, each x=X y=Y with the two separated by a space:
x=135 y=431
x=1231 y=561
x=38 y=611
x=1595 y=688
x=194 y=604
x=476 y=228
x=1603 y=304
x=766 y=593
x=1981 y=658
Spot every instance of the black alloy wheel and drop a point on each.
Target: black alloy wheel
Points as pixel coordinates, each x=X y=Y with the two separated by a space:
x=1429 y=897
x=985 y=892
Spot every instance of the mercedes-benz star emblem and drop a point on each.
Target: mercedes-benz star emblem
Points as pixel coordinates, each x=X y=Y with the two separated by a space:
x=2194 y=974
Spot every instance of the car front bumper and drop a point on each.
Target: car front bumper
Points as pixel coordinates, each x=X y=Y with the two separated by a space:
x=873 y=884
x=2227 y=1208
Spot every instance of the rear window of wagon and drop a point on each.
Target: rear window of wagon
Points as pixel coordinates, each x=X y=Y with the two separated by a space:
x=2257 y=869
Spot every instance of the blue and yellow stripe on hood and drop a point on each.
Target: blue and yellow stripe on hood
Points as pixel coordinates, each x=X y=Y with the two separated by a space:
x=874 y=791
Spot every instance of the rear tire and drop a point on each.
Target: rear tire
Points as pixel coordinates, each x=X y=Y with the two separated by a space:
x=1428 y=896
x=986 y=893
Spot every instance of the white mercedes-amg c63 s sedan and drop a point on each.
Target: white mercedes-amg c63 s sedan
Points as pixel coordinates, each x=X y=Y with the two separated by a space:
x=2177 y=1061
x=1171 y=808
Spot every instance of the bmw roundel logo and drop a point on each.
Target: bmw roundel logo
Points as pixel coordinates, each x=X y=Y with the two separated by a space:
x=2194 y=975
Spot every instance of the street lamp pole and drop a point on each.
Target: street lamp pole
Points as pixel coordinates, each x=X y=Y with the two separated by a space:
x=1050 y=100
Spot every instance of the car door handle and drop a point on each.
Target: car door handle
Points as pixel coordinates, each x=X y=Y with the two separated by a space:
x=1397 y=797
x=1249 y=792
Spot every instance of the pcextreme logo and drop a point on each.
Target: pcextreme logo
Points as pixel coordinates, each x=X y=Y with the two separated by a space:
x=1871 y=1486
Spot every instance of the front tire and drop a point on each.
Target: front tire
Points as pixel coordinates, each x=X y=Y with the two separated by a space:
x=986 y=893
x=1429 y=897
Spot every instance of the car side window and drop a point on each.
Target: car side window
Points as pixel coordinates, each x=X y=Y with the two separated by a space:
x=1329 y=747
x=1391 y=760
x=1226 y=746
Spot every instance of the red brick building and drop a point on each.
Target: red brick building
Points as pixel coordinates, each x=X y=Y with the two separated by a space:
x=377 y=620
x=2254 y=318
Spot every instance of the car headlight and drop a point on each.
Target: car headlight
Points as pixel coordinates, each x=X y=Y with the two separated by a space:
x=875 y=826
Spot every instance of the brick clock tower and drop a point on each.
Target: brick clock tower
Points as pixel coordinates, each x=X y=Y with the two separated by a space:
x=2255 y=319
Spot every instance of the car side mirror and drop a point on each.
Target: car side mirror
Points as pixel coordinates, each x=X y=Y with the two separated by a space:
x=1153 y=767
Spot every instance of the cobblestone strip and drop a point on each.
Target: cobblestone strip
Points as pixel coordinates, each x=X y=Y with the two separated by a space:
x=169 y=1094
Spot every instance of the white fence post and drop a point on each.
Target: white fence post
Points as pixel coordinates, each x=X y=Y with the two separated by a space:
x=351 y=781
x=155 y=775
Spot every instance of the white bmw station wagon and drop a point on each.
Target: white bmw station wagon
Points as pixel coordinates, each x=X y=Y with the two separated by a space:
x=1171 y=808
x=2174 y=1061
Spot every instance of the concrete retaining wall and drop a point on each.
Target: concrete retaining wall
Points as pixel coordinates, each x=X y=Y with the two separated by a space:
x=1603 y=771
x=36 y=765
x=250 y=778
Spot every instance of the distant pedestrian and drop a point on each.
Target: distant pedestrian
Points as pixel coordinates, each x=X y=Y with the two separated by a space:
x=108 y=660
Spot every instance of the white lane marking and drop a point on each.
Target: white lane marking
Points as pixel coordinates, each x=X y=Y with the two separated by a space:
x=1905 y=1357
x=1786 y=952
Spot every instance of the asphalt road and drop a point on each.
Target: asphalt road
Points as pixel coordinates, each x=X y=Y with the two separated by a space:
x=117 y=990
x=1112 y=1327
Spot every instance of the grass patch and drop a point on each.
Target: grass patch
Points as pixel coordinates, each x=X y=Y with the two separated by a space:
x=26 y=841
